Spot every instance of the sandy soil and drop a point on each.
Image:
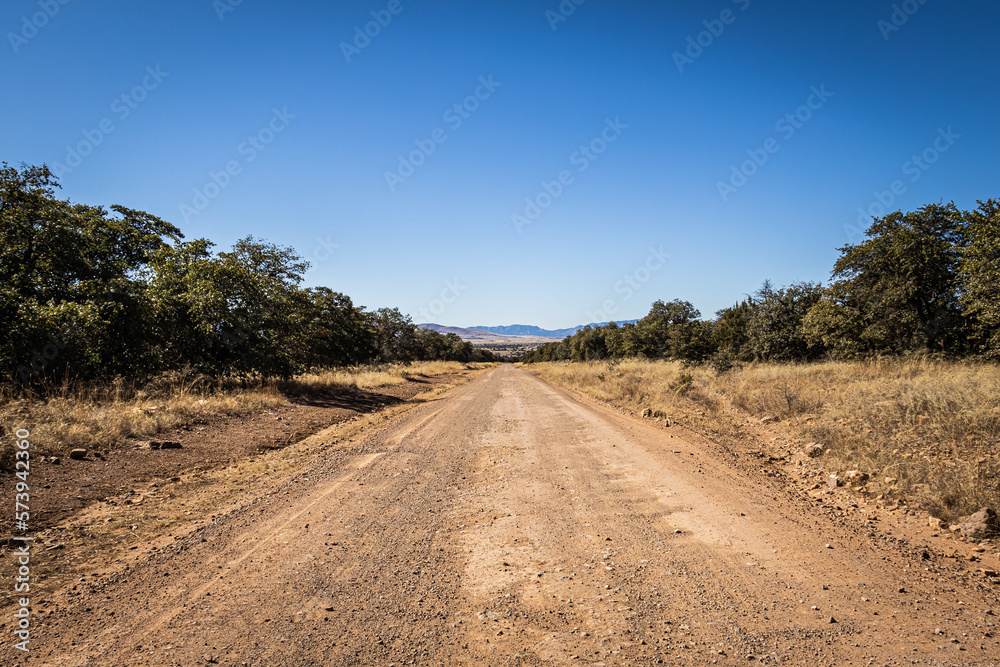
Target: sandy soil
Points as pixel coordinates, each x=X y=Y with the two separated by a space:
x=510 y=522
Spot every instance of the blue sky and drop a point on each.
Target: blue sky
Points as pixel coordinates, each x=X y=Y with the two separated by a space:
x=279 y=120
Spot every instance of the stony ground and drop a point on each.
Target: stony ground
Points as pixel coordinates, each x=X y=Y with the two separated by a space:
x=511 y=522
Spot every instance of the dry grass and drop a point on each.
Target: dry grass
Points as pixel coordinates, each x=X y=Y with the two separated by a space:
x=927 y=431
x=364 y=377
x=104 y=417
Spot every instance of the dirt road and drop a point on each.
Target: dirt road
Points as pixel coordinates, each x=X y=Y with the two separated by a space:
x=509 y=522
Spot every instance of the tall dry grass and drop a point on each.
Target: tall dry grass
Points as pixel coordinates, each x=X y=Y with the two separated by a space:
x=365 y=377
x=926 y=431
x=103 y=417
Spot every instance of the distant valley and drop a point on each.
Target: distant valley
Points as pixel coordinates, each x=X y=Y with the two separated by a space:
x=522 y=332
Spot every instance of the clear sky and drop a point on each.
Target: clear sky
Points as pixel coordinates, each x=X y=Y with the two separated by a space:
x=587 y=170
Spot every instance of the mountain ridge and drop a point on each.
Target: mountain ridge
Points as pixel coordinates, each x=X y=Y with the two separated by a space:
x=512 y=330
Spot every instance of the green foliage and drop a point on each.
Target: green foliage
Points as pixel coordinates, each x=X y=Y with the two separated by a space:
x=588 y=344
x=899 y=289
x=674 y=331
x=774 y=330
x=92 y=294
x=729 y=334
x=336 y=332
x=723 y=360
x=395 y=335
x=980 y=274
x=836 y=322
x=624 y=342
x=928 y=280
x=682 y=384
x=71 y=290
x=233 y=313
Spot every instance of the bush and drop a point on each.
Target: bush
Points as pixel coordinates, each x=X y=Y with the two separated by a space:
x=683 y=384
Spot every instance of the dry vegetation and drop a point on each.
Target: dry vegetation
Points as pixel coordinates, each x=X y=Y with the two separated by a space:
x=926 y=431
x=104 y=417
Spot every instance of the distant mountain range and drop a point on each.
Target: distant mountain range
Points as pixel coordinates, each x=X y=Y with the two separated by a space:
x=511 y=331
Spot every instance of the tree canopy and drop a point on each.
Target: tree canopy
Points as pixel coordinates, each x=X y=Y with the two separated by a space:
x=91 y=293
x=926 y=281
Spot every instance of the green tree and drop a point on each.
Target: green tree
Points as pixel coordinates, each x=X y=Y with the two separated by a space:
x=903 y=281
x=624 y=341
x=238 y=312
x=674 y=330
x=395 y=335
x=837 y=323
x=775 y=331
x=71 y=289
x=980 y=275
x=729 y=334
x=337 y=333
x=588 y=344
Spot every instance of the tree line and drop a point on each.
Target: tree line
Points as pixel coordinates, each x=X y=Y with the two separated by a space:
x=88 y=293
x=927 y=281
